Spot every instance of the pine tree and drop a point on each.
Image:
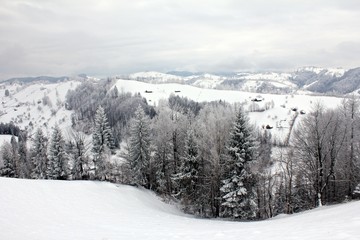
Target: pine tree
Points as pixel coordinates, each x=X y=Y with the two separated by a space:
x=238 y=195
x=58 y=160
x=188 y=174
x=39 y=156
x=139 y=148
x=8 y=169
x=102 y=142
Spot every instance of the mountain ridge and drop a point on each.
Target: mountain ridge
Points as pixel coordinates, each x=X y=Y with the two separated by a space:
x=310 y=79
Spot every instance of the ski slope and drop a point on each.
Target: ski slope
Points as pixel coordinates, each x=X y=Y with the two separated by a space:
x=58 y=210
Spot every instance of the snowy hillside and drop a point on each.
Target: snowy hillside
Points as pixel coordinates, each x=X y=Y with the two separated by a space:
x=51 y=210
x=32 y=105
x=37 y=104
x=155 y=77
x=313 y=79
x=277 y=111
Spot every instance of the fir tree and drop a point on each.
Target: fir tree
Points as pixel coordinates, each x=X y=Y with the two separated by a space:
x=139 y=148
x=39 y=156
x=58 y=160
x=24 y=163
x=15 y=156
x=80 y=160
x=102 y=142
x=8 y=169
x=162 y=161
x=188 y=174
x=238 y=195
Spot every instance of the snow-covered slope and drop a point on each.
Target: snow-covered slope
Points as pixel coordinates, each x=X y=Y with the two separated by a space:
x=337 y=72
x=155 y=77
x=278 y=115
x=254 y=82
x=26 y=108
x=313 y=79
x=57 y=210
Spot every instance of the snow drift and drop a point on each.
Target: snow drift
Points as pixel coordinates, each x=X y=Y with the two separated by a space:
x=44 y=209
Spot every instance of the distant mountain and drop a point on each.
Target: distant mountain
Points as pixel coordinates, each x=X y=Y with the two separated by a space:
x=37 y=79
x=348 y=83
x=155 y=77
x=311 y=79
x=182 y=73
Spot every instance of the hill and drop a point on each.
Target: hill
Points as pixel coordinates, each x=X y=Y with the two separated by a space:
x=274 y=110
x=43 y=104
x=312 y=79
x=51 y=210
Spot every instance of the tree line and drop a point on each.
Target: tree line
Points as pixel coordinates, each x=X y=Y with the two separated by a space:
x=206 y=156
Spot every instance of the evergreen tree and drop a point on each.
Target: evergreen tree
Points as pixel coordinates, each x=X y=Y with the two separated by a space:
x=139 y=148
x=102 y=142
x=162 y=161
x=79 y=158
x=24 y=163
x=237 y=190
x=9 y=169
x=188 y=174
x=39 y=156
x=15 y=156
x=115 y=92
x=58 y=160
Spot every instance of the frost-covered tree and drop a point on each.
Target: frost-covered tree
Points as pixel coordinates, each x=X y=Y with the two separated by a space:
x=39 y=157
x=357 y=190
x=79 y=159
x=163 y=163
x=15 y=156
x=9 y=167
x=139 y=148
x=188 y=175
x=351 y=163
x=58 y=159
x=115 y=92
x=318 y=142
x=24 y=163
x=212 y=126
x=102 y=141
x=237 y=190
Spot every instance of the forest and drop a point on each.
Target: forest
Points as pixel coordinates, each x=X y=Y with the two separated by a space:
x=205 y=156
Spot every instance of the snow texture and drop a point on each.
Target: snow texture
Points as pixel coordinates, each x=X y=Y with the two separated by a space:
x=57 y=210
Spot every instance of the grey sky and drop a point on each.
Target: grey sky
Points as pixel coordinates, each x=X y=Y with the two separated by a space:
x=65 y=37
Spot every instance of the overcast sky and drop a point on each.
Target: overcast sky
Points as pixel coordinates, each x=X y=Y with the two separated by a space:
x=108 y=37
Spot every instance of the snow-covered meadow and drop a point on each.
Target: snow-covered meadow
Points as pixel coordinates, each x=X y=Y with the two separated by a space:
x=57 y=210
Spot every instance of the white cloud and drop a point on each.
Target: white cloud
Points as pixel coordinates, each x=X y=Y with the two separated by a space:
x=61 y=37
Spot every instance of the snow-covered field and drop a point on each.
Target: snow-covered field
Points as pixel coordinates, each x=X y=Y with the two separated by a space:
x=51 y=210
